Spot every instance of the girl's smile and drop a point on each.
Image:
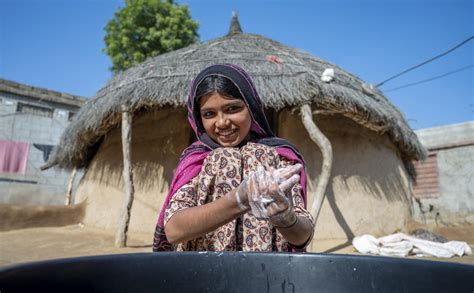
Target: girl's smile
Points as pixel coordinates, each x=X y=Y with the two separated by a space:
x=226 y=120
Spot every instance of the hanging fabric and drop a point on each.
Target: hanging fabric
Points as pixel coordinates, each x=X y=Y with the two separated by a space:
x=13 y=156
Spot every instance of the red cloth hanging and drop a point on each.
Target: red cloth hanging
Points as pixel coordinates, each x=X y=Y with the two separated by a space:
x=13 y=156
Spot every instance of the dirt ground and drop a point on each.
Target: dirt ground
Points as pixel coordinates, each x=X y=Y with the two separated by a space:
x=41 y=243
x=25 y=245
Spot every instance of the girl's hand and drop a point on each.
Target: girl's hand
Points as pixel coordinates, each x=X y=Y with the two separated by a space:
x=264 y=192
x=281 y=212
x=288 y=176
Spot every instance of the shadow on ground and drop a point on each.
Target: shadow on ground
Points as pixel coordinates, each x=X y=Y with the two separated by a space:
x=23 y=216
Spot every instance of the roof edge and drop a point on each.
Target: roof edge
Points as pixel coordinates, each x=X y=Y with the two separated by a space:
x=39 y=93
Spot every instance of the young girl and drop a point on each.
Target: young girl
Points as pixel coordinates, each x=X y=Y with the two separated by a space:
x=238 y=188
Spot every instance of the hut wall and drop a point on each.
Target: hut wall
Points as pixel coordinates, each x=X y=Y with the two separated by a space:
x=158 y=137
x=369 y=191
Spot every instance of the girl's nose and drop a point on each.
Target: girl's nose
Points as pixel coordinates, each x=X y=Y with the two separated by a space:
x=222 y=121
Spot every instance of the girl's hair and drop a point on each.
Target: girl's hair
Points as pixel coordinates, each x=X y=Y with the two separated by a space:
x=219 y=84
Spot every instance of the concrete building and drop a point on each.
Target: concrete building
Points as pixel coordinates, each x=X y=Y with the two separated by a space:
x=444 y=191
x=31 y=122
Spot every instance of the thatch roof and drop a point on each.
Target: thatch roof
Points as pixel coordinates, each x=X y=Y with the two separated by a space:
x=284 y=77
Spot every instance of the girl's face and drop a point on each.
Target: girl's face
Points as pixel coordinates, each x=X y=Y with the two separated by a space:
x=226 y=120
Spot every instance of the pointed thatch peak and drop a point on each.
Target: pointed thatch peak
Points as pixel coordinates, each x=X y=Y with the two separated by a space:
x=234 y=28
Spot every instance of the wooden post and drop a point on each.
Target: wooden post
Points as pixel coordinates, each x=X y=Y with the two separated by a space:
x=70 y=185
x=326 y=149
x=124 y=215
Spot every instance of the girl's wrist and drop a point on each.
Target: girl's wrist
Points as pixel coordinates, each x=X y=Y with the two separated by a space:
x=241 y=205
x=289 y=226
x=236 y=197
x=289 y=221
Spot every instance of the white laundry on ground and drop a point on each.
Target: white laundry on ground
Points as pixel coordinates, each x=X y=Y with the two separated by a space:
x=400 y=244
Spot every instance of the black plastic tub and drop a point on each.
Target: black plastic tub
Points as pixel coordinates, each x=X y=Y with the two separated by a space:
x=237 y=272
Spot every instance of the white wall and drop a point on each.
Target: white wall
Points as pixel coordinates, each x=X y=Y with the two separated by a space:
x=455 y=204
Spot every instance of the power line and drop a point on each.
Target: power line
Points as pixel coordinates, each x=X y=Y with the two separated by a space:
x=427 y=61
x=429 y=79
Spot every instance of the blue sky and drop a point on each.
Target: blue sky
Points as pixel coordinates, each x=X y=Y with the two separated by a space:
x=57 y=44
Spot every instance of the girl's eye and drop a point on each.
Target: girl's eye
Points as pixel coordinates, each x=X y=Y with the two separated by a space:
x=233 y=108
x=207 y=114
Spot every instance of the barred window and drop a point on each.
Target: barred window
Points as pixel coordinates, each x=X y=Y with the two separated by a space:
x=34 y=110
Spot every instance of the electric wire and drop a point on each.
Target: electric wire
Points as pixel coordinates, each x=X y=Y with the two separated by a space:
x=429 y=79
x=426 y=62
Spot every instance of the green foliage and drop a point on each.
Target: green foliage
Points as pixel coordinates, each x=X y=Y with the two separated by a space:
x=145 y=29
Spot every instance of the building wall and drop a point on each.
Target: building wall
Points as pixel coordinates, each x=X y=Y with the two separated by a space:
x=453 y=146
x=36 y=187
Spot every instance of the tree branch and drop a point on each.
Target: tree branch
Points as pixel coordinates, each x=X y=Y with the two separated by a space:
x=326 y=149
x=124 y=216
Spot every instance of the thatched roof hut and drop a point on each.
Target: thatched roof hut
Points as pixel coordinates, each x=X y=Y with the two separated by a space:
x=286 y=78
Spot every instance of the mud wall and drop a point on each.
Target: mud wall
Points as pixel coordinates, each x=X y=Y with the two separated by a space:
x=158 y=138
x=369 y=188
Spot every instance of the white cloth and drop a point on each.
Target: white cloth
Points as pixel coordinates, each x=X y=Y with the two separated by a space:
x=400 y=244
x=328 y=75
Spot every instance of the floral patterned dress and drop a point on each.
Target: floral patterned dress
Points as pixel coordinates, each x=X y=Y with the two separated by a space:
x=222 y=171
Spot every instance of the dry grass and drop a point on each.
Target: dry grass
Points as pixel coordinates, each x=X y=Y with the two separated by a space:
x=294 y=80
